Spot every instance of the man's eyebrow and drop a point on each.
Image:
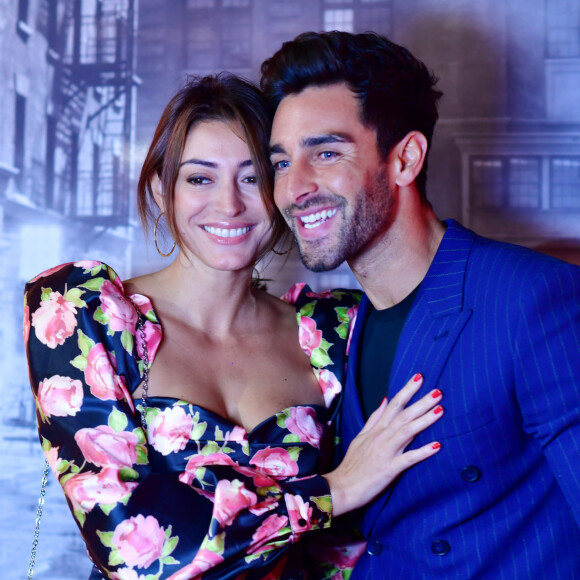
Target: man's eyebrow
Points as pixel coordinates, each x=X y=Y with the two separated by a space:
x=324 y=139
x=316 y=140
x=277 y=149
x=211 y=164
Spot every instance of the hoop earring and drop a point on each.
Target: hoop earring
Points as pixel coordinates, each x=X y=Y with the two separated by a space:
x=287 y=251
x=155 y=238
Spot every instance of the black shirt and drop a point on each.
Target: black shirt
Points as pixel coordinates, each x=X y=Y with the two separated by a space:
x=378 y=346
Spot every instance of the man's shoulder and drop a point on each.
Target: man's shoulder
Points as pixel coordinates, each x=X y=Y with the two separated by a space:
x=491 y=256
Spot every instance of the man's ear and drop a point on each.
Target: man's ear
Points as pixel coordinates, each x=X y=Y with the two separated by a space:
x=157 y=191
x=410 y=155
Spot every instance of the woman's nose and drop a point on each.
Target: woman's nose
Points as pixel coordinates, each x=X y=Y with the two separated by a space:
x=229 y=200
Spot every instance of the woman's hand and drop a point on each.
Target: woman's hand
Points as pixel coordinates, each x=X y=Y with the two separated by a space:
x=377 y=455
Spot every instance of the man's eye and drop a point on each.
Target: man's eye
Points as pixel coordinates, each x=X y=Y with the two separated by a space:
x=278 y=165
x=328 y=154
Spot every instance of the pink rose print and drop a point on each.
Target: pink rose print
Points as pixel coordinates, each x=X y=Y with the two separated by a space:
x=264 y=507
x=107 y=448
x=325 y=294
x=142 y=303
x=203 y=561
x=201 y=461
x=299 y=512
x=292 y=295
x=127 y=574
x=60 y=396
x=170 y=430
x=329 y=384
x=237 y=435
x=48 y=272
x=269 y=529
x=231 y=497
x=276 y=462
x=342 y=556
x=308 y=335
x=101 y=376
x=351 y=313
x=86 y=264
x=85 y=490
x=303 y=422
x=55 y=320
x=53 y=459
x=153 y=336
x=121 y=312
x=139 y=541
x=26 y=324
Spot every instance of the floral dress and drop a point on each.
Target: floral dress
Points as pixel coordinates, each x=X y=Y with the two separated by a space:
x=193 y=495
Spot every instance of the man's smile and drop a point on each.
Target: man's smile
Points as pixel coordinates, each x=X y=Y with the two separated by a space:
x=316 y=219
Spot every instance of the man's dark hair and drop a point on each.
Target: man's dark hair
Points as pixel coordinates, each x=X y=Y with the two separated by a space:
x=395 y=89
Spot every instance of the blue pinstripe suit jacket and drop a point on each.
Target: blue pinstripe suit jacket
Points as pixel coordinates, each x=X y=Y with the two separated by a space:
x=497 y=328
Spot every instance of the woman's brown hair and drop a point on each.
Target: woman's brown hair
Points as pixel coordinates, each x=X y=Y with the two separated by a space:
x=222 y=97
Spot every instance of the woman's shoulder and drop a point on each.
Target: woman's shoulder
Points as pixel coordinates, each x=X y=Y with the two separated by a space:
x=329 y=316
x=75 y=274
x=301 y=293
x=87 y=295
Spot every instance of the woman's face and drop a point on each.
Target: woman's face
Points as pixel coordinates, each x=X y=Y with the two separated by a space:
x=218 y=208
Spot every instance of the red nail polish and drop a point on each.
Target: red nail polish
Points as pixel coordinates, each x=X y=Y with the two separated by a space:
x=437 y=409
x=436 y=445
x=436 y=393
x=417 y=377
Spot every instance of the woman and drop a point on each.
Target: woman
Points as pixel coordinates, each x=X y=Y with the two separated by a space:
x=177 y=409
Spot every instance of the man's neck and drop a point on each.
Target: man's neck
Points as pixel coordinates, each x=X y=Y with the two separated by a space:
x=396 y=263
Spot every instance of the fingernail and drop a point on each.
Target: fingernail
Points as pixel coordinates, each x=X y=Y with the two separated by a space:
x=436 y=393
x=437 y=409
x=436 y=445
x=383 y=401
x=417 y=377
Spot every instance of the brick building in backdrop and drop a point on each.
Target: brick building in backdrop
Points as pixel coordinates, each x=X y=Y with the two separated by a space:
x=66 y=145
x=505 y=161
x=506 y=155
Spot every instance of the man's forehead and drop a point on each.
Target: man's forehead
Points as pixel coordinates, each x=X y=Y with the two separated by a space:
x=316 y=112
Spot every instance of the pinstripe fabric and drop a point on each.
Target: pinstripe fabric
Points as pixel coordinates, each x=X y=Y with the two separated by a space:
x=497 y=328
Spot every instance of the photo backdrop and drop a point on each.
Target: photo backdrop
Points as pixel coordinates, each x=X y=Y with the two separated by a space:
x=82 y=86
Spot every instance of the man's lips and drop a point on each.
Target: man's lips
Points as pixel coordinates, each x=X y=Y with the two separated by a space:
x=316 y=219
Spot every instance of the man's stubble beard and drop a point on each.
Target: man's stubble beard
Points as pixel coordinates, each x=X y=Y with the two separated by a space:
x=370 y=216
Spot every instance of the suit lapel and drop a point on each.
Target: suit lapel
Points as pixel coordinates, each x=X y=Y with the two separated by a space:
x=433 y=326
x=438 y=315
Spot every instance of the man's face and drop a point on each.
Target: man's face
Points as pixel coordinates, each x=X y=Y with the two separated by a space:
x=330 y=183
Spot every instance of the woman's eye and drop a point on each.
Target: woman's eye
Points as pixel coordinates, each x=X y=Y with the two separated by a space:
x=250 y=179
x=198 y=180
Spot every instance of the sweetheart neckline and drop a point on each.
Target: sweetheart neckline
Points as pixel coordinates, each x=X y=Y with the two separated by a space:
x=317 y=408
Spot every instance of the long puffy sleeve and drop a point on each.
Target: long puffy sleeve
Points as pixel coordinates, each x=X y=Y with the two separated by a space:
x=192 y=495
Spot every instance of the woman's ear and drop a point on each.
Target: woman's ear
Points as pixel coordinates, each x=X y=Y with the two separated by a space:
x=410 y=156
x=157 y=191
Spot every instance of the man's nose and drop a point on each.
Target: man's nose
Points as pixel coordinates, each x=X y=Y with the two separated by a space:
x=301 y=181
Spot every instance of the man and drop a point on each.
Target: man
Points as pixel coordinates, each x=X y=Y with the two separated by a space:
x=495 y=326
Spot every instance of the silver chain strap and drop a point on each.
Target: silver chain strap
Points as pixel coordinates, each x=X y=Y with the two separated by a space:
x=145 y=352
x=38 y=517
